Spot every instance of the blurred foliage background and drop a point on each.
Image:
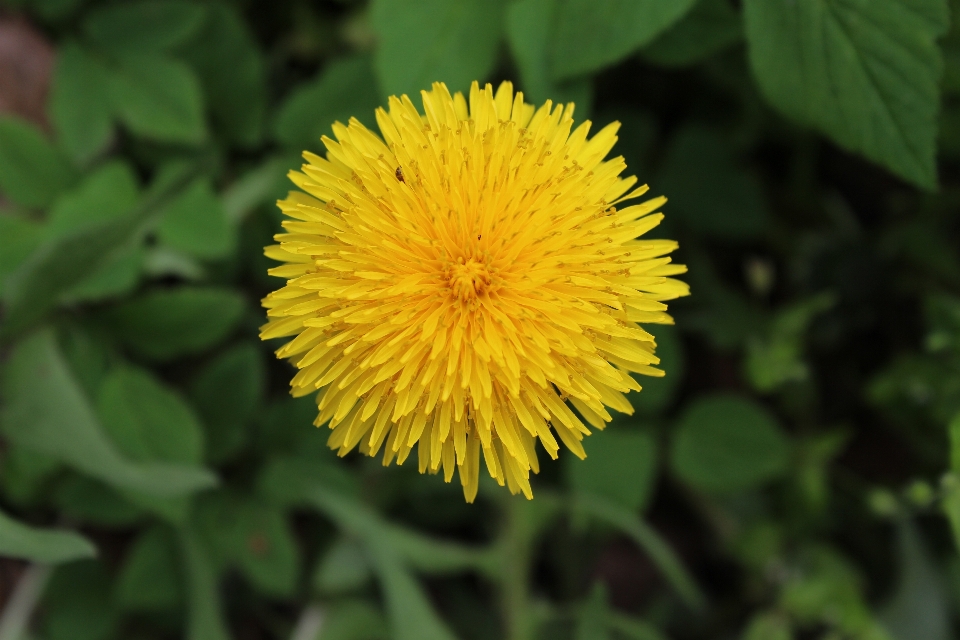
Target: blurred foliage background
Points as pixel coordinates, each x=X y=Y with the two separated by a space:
x=793 y=476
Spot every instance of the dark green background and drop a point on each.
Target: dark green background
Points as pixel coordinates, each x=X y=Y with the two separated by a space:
x=793 y=476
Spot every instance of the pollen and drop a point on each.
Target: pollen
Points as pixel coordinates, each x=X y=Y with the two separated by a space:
x=469 y=283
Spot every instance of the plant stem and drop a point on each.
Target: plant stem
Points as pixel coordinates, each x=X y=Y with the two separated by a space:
x=516 y=541
x=16 y=615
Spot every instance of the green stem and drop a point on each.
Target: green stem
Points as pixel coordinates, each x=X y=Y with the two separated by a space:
x=516 y=541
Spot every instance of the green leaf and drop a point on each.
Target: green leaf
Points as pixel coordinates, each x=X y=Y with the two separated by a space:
x=592 y=619
x=591 y=34
x=411 y=615
x=253 y=537
x=727 y=443
x=148 y=579
x=32 y=172
x=25 y=474
x=658 y=393
x=107 y=194
x=255 y=188
x=77 y=604
x=115 y=278
x=19 y=237
x=196 y=223
x=354 y=620
x=227 y=393
x=158 y=98
x=454 y=42
x=45 y=410
x=148 y=420
x=165 y=324
x=18 y=540
x=104 y=195
x=528 y=33
x=62 y=263
x=710 y=27
x=204 y=610
x=91 y=502
x=79 y=106
x=143 y=25
x=865 y=73
x=227 y=58
x=345 y=89
x=778 y=358
x=708 y=190
x=344 y=568
x=620 y=465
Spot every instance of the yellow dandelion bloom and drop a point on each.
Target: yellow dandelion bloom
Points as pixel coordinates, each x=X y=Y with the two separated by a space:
x=454 y=282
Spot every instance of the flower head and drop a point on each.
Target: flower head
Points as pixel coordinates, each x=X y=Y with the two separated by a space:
x=453 y=284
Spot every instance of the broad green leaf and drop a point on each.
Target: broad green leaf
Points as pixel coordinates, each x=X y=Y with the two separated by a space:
x=710 y=27
x=426 y=41
x=254 y=538
x=345 y=89
x=528 y=29
x=158 y=98
x=79 y=105
x=344 y=567
x=104 y=195
x=55 y=418
x=863 y=72
x=919 y=605
x=49 y=546
x=19 y=237
x=92 y=502
x=227 y=58
x=658 y=393
x=621 y=465
x=143 y=25
x=107 y=194
x=147 y=419
x=62 y=263
x=196 y=223
x=727 y=443
x=165 y=324
x=227 y=393
x=77 y=604
x=25 y=474
x=32 y=172
x=205 y=619
x=148 y=579
x=707 y=189
x=119 y=276
x=591 y=34
x=605 y=511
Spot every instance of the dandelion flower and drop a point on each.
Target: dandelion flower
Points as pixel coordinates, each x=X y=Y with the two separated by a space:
x=455 y=282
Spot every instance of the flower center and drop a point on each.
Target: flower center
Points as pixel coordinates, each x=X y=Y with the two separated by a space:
x=470 y=279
